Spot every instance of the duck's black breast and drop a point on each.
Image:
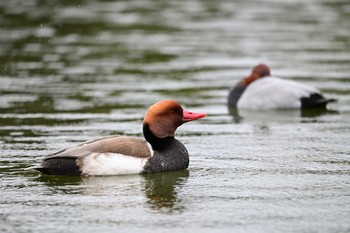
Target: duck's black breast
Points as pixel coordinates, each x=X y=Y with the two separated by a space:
x=173 y=156
x=235 y=93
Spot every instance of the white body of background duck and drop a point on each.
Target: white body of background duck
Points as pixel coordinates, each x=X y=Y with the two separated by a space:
x=260 y=90
x=116 y=155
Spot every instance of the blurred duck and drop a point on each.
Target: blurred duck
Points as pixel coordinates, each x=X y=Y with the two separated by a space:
x=260 y=90
x=116 y=155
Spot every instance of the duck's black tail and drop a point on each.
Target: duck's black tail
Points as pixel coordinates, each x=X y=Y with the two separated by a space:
x=58 y=166
x=315 y=100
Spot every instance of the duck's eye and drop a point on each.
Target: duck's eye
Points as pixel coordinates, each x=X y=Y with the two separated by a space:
x=175 y=110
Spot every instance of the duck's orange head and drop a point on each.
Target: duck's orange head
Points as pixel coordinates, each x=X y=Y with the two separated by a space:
x=258 y=72
x=165 y=116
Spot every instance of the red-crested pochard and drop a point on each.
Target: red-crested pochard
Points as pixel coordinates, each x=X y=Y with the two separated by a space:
x=116 y=155
x=260 y=90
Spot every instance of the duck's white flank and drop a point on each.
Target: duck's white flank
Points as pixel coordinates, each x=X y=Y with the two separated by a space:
x=274 y=93
x=99 y=164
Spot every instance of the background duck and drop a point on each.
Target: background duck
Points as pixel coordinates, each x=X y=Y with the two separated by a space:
x=260 y=90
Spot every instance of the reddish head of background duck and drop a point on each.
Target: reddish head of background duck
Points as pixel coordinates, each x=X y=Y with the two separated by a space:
x=258 y=72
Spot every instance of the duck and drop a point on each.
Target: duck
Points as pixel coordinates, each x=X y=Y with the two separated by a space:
x=158 y=151
x=260 y=90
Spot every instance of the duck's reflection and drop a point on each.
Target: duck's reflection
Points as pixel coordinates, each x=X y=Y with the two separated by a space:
x=293 y=115
x=60 y=184
x=57 y=181
x=309 y=113
x=161 y=189
x=234 y=112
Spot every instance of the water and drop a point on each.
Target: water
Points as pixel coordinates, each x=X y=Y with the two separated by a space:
x=76 y=70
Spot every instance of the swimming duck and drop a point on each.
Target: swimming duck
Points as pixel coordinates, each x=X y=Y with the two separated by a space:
x=116 y=155
x=260 y=90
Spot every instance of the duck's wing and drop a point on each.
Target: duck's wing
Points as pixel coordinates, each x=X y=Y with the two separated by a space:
x=94 y=155
x=125 y=145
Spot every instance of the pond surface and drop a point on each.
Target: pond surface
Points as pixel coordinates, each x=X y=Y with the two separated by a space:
x=71 y=71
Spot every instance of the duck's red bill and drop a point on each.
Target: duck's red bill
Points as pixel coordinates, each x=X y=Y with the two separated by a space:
x=190 y=116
